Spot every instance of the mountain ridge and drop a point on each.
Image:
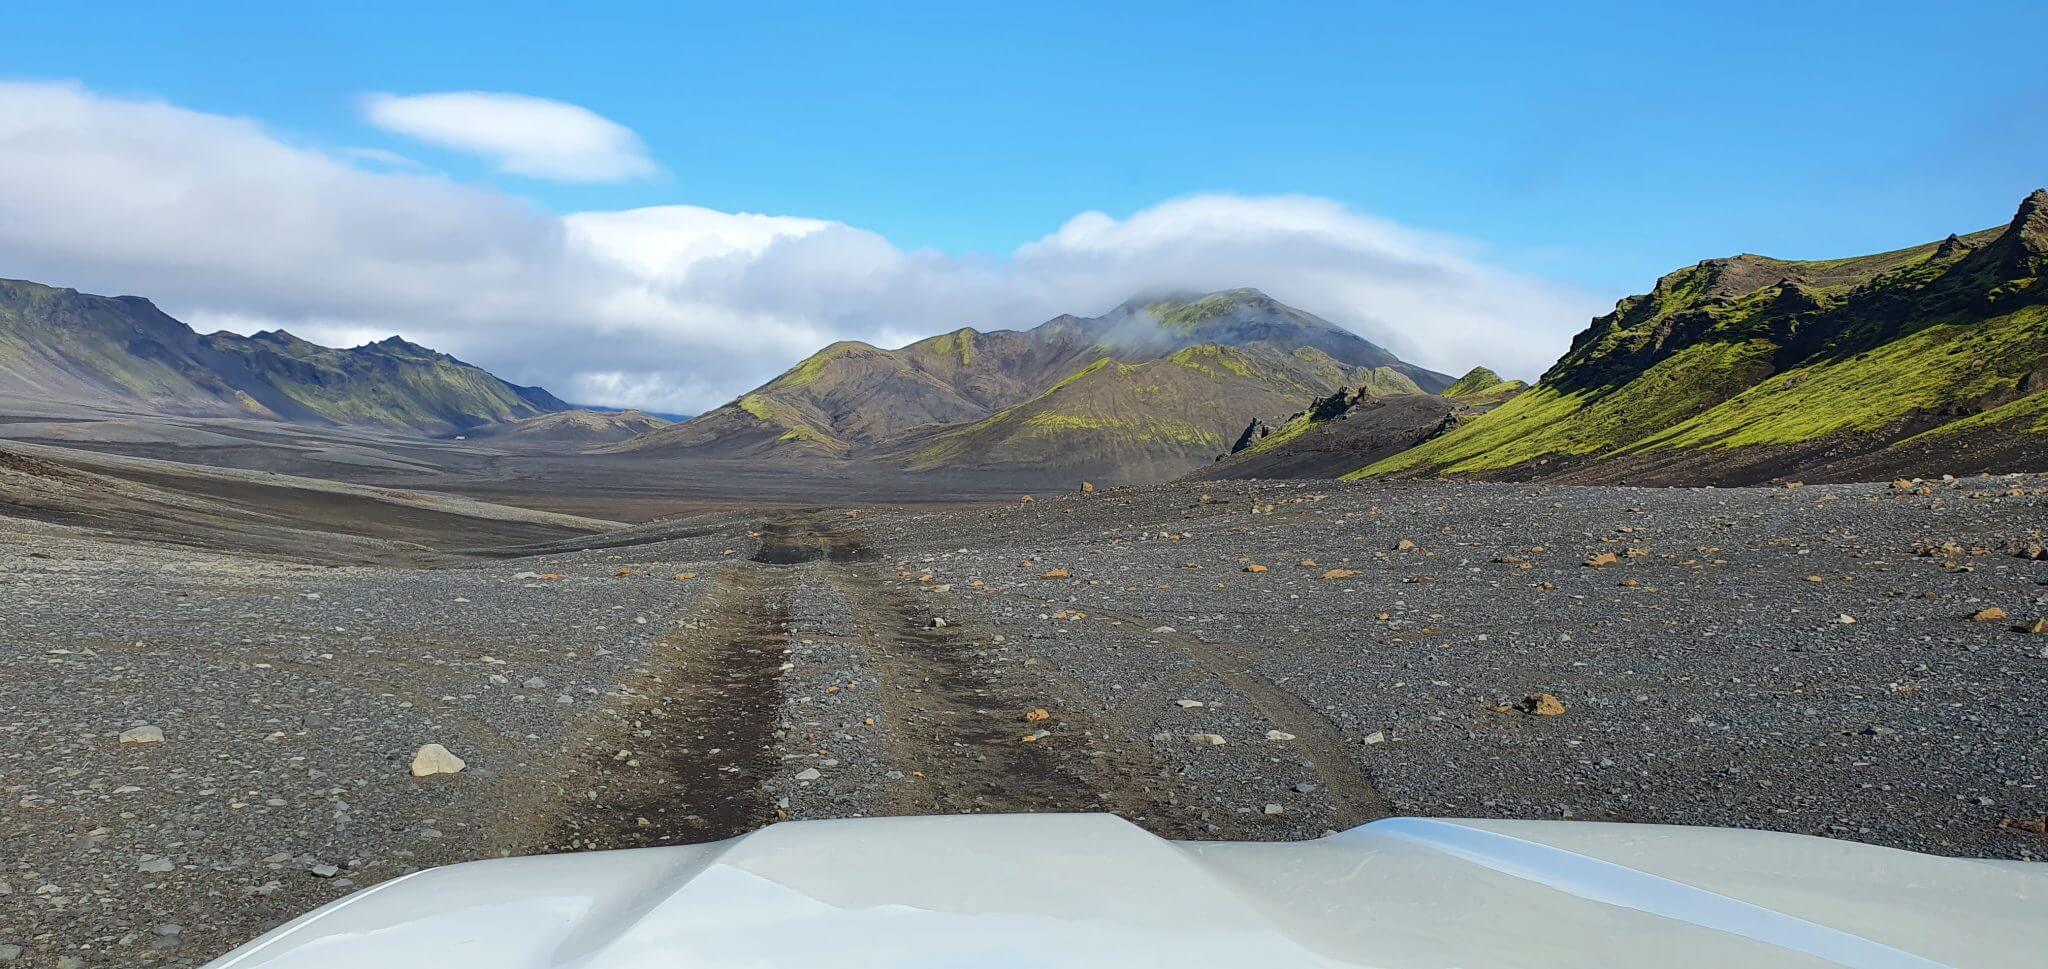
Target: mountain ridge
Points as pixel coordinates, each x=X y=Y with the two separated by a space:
x=61 y=344
x=1747 y=368
x=855 y=400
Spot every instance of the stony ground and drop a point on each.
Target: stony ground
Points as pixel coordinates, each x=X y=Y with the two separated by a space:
x=1776 y=658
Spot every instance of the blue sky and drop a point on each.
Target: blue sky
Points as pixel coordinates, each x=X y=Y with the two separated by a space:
x=1589 y=146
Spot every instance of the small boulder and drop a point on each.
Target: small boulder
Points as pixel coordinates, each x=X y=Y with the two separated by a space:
x=145 y=734
x=433 y=759
x=1602 y=560
x=1988 y=614
x=1207 y=739
x=1542 y=705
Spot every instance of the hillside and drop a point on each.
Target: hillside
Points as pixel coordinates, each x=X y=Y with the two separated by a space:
x=957 y=401
x=1336 y=434
x=1483 y=388
x=1924 y=360
x=60 y=344
x=568 y=430
x=1144 y=422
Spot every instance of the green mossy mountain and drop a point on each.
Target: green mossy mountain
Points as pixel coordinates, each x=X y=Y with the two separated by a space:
x=1155 y=383
x=1133 y=423
x=1745 y=369
x=121 y=351
x=1481 y=387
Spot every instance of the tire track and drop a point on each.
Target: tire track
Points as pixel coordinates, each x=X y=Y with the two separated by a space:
x=1318 y=740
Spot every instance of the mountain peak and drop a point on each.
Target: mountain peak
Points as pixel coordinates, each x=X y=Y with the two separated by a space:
x=2030 y=224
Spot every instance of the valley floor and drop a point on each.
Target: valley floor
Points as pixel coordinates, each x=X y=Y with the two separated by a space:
x=1770 y=658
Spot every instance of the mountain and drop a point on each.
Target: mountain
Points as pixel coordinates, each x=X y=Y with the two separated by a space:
x=60 y=344
x=1920 y=361
x=568 y=430
x=1483 y=388
x=1144 y=391
x=1142 y=422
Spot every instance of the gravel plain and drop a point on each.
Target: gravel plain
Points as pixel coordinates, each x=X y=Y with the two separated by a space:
x=1809 y=659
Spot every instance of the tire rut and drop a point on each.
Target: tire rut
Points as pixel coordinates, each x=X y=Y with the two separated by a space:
x=1319 y=740
x=685 y=757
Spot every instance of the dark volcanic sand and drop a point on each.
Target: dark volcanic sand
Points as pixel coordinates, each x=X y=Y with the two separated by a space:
x=1708 y=680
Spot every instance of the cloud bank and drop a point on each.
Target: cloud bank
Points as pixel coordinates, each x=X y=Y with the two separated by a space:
x=522 y=135
x=675 y=307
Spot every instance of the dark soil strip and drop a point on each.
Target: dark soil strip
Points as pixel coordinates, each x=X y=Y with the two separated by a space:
x=708 y=706
x=958 y=726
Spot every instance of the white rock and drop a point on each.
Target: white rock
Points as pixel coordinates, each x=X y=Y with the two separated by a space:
x=1207 y=739
x=155 y=866
x=535 y=683
x=1278 y=735
x=1188 y=704
x=324 y=871
x=145 y=734
x=1275 y=809
x=808 y=774
x=1164 y=630
x=1376 y=737
x=434 y=759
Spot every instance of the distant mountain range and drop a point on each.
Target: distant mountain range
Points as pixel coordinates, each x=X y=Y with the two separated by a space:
x=1739 y=370
x=60 y=344
x=1925 y=360
x=1149 y=390
x=570 y=430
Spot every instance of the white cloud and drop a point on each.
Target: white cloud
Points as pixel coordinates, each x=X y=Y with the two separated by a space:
x=668 y=307
x=520 y=134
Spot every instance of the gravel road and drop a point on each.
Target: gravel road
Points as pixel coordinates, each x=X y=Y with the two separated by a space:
x=1776 y=658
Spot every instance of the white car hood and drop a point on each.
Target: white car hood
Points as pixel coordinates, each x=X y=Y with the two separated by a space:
x=1094 y=890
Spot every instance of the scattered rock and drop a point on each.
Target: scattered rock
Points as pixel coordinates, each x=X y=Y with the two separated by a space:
x=433 y=759
x=1188 y=704
x=1087 y=488
x=1542 y=705
x=2038 y=627
x=1207 y=739
x=1845 y=620
x=685 y=576
x=1255 y=568
x=1279 y=735
x=1038 y=716
x=155 y=866
x=1275 y=809
x=324 y=870
x=1057 y=574
x=1602 y=560
x=808 y=774
x=1405 y=545
x=1339 y=574
x=1988 y=614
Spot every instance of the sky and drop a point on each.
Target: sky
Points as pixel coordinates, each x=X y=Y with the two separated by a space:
x=664 y=204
